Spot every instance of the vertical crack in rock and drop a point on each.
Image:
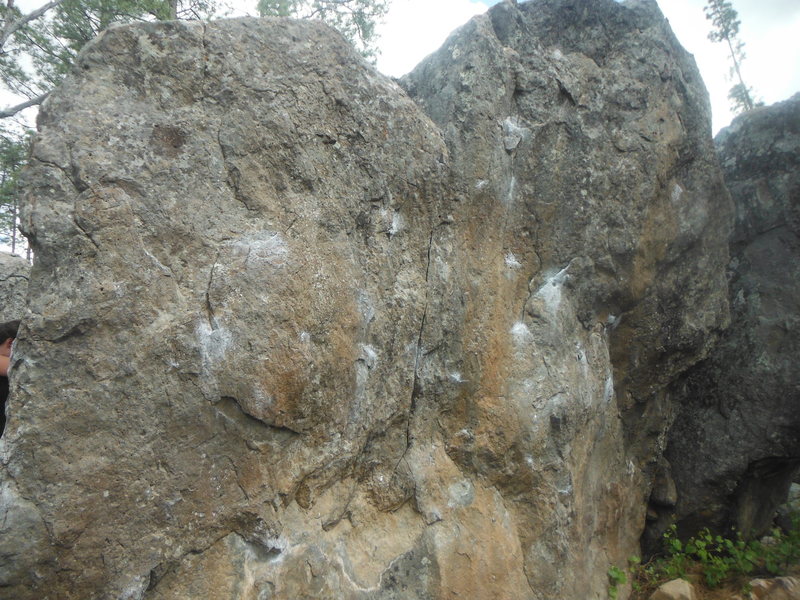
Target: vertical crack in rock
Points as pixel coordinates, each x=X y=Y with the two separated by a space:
x=233 y=179
x=575 y=75
x=210 y=316
x=415 y=387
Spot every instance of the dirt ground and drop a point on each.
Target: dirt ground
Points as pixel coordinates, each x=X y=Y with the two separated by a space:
x=731 y=591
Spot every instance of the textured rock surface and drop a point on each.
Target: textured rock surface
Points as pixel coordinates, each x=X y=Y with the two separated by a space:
x=780 y=588
x=677 y=589
x=579 y=133
x=322 y=345
x=736 y=443
x=14 y=272
x=234 y=258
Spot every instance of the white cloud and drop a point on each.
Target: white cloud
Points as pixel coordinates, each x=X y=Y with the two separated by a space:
x=773 y=59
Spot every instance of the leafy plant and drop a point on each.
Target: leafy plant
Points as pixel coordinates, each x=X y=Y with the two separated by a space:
x=719 y=559
x=781 y=550
x=616 y=577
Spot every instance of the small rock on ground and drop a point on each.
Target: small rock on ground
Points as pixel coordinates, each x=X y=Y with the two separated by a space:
x=780 y=588
x=677 y=589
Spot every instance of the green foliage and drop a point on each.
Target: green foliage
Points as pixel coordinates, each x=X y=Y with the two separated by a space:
x=13 y=156
x=675 y=564
x=725 y=22
x=616 y=577
x=741 y=98
x=356 y=20
x=718 y=559
x=781 y=550
x=276 y=8
x=724 y=19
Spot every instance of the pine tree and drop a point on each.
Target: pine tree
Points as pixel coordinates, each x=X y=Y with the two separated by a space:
x=13 y=153
x=725 y=21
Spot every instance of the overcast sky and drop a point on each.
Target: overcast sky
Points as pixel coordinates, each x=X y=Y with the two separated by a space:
x=770 y=30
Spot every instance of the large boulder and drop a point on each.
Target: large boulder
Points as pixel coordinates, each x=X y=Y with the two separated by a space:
x=290 y=336
x=735 y=445
x=592 y=227
x=231 y=226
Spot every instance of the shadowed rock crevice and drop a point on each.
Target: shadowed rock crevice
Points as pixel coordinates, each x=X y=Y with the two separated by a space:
x=231 y=409
x=734 y=445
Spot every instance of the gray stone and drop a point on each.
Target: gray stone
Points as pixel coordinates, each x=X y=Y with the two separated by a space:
x=779 y=588
x=664 y=493
x=677 y=589
x=735 y=445
x=234 y=260
x=14 y=273
x=789 y=510
x=323 y=345
x=604 y=228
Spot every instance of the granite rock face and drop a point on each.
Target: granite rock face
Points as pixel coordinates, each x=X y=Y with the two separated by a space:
x=331 y=339
x=740 y=415
x=579 y=133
